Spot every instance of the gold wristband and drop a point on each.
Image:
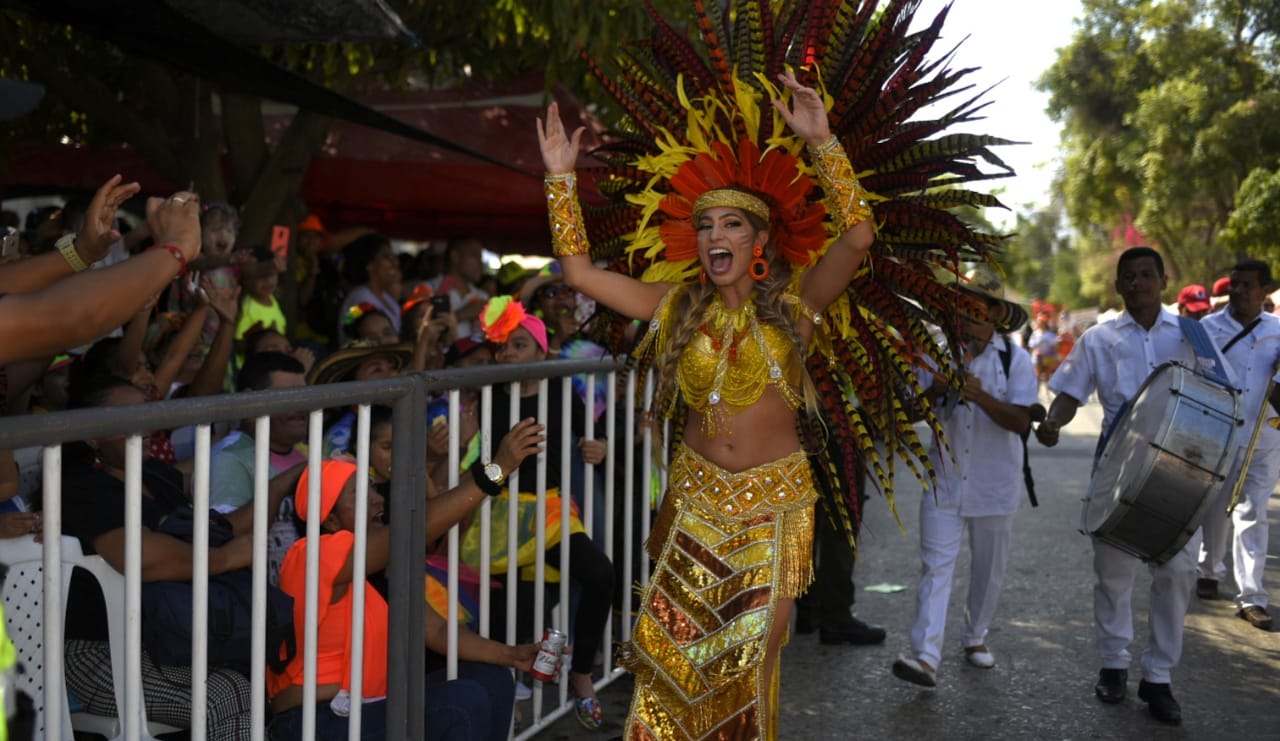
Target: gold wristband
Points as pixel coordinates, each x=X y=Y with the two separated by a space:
x=67 y=246
x=845 y=199
x=568 y=230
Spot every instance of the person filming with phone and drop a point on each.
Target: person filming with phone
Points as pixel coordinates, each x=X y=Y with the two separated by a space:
x=51 y=302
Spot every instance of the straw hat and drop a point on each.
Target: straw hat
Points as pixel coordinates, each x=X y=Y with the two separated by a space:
x=341 y=364
x=982 y=281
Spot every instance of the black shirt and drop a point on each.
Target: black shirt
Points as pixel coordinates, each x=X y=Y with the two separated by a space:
x=500 y=425
x=93 y=504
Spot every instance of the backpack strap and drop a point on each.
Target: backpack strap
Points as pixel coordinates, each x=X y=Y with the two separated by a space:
x=1006 y=359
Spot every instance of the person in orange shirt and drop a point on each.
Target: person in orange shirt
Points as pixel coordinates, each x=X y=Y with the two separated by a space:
x=475 y=706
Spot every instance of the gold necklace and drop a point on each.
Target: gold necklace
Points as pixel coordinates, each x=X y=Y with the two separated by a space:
x=731 y=365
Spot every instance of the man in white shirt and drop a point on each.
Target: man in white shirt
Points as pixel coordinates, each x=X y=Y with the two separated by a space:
x=1114 y=358
x=1250 y=340
x=463 y=269
x=979 y=480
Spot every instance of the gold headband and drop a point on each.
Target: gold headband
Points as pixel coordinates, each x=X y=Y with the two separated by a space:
x=731 y=198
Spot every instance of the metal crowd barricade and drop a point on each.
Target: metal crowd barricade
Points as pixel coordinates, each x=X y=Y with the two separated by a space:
x=406 y=569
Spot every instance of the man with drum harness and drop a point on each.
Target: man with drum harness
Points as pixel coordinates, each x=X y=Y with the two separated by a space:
x=1114 y=359
x=1250 y=340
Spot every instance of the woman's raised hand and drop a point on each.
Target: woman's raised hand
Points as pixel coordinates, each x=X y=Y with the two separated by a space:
x=559 y=151
x=807 y=116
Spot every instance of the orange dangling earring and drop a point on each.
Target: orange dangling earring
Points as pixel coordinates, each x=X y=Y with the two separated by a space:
x=702 y=276
x=759 y=266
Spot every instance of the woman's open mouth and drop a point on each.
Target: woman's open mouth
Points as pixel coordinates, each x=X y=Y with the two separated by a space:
x=720 y=259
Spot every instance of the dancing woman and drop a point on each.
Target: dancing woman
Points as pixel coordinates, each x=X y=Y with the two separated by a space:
x=731 y=363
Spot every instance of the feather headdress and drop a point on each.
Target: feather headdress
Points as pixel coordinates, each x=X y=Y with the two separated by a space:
x=697 y=117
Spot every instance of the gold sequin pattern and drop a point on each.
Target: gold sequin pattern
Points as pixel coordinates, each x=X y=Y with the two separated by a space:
x=844 y=196
x=731 y=545
x=732 y=359
x=568 y=229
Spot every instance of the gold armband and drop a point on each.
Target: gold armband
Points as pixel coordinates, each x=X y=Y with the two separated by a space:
x=846 y=200
x=568 y=231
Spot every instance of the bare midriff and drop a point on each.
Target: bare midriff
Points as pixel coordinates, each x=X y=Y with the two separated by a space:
x=747 y=436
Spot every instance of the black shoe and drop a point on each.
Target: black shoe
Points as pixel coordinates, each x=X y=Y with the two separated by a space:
x=1207 y=588
x=852 y=631
x=1257 y=617
x=1111 y=687
x=1160 y=702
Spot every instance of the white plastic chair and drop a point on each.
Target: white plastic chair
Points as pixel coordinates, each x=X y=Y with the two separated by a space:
x=23 y=597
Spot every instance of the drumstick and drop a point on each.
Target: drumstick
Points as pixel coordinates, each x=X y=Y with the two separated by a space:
x=1253 y=441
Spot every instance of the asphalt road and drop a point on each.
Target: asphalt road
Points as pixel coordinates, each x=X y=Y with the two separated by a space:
x=1042 y=685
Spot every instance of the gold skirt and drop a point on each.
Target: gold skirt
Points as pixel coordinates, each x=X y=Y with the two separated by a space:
x=727 y=546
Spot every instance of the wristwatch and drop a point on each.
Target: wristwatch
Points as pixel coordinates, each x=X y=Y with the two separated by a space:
x=67 y=246
x=493 y=472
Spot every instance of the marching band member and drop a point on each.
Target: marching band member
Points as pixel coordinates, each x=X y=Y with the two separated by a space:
x=1250 y=340
x=1114 y=358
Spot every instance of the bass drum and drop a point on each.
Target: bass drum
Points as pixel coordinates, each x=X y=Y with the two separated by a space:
x=1163 y=456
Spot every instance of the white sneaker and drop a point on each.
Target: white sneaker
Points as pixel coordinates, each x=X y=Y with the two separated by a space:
x=523 y=692
x=980 y=657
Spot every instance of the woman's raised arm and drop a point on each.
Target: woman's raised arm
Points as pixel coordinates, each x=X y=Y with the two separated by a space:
x=624 y=294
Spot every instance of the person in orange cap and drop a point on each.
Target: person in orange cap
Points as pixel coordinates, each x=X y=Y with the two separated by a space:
x=475 y=706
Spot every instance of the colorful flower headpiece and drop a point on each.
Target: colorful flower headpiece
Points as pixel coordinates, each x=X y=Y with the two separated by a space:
x=355 y=313
x=503 y=314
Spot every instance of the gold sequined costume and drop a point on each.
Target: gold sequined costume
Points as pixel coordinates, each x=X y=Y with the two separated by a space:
x=727 y=546
x=697 y=119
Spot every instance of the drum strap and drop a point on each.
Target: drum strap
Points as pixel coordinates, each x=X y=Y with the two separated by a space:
x=1006 y=359
x=1205 y=352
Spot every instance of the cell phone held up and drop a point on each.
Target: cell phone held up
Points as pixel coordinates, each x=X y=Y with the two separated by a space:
x=9 y=239
x=440 y=304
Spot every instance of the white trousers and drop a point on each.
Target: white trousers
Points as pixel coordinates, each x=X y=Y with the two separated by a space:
x=941 y=533
x=1248 y=542
x=1171 y=584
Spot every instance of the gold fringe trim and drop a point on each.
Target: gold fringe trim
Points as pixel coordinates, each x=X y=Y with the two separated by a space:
x=794 y=570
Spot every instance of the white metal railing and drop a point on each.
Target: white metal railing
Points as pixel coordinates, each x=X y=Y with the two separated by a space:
x=132 y=714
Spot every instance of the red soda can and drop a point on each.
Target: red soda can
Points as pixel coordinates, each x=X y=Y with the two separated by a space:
x=549 y=650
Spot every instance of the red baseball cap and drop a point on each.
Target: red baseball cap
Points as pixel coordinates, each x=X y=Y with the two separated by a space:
x=1194 y=298
x=1222 y=286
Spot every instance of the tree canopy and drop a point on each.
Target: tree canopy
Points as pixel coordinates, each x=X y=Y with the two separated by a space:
x=1168 y=111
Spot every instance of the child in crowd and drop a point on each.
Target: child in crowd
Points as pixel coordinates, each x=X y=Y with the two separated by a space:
x=259 y=306
x=219 y=227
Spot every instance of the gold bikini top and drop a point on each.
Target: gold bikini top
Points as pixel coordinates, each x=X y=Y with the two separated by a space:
x=730 y=361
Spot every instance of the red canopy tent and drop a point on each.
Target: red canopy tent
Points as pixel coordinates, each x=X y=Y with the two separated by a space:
x=365 y=177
